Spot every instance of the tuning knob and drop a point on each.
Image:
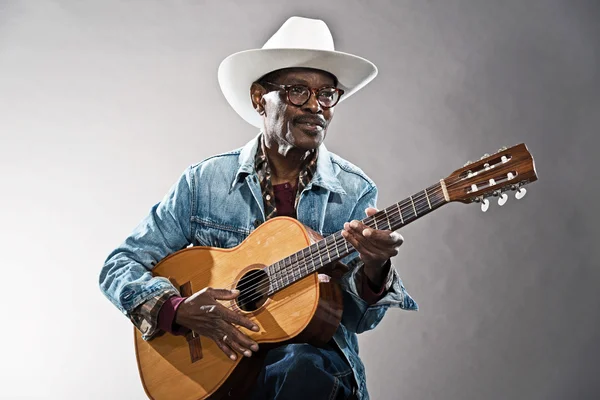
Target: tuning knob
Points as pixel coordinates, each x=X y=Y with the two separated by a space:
x=468 y=163
x=520 y=193
x=486 y=155
x=503 y=199
x=502 y=149
x=485 y=205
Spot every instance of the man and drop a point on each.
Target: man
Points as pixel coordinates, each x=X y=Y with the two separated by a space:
x=288 y=89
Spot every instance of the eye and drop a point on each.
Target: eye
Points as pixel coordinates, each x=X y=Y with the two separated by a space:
x=328 y=93
x=298 y=90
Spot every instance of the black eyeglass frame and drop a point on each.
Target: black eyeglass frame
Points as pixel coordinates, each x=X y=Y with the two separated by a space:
x=313 y=91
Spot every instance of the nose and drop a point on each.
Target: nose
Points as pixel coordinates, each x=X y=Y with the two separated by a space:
x=312 y=105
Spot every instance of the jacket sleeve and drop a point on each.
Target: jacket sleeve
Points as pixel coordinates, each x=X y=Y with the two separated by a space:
x=358 y=315
x=126 y=277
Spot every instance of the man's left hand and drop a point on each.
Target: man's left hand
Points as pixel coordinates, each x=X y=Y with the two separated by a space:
x=375 y=247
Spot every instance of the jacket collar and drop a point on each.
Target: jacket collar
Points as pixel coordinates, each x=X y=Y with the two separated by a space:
x=324 y=177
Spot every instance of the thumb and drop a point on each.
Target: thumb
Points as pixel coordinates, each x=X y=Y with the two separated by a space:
x=224 y=294
x=370 y=211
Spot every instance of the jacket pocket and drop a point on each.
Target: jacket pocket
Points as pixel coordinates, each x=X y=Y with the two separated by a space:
x=209 y=233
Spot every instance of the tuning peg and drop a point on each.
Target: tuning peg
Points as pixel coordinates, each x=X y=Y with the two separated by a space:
x=485 y=205
x=521 y=193
x=486 y=155
x=502 y=149
x=503 y=199
x=468 y=163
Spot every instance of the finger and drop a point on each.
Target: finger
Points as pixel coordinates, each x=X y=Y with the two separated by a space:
x=226 y=349
x=236 y=318
x=381 y=238
x=235 y=345
x=223 y=294
x=363 y=248
x=368 y=249
x=242 y=339
x=371 y=211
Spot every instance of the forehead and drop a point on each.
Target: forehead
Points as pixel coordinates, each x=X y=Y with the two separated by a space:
x=308 y=76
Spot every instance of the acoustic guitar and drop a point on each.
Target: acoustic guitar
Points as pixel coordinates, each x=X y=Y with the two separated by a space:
x=279 y=269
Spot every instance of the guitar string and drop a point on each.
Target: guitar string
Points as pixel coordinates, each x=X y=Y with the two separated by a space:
x=419 y=201
x=395 y=216
x=301 y=258
x=338 y=239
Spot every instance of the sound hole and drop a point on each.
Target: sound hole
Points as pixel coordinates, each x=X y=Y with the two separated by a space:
x=253 y=288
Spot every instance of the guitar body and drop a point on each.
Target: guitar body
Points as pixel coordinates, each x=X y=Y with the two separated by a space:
x=193 y=367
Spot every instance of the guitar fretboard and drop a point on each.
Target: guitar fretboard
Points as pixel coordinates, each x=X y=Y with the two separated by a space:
x=334 y=247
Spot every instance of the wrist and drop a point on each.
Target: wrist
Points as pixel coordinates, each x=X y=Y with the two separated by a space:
x=179 y=316
x=376 y=271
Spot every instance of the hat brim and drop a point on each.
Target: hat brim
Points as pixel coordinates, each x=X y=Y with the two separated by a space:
x=238 y=71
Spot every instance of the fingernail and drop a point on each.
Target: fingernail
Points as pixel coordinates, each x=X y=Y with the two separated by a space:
x=366 y=232
x=233 y=357
x=255 y=328
x=247 y=353
x=254 y=347
x=354 y=224
x=235 y=291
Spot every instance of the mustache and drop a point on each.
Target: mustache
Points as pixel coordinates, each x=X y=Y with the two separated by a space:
x=311 y=119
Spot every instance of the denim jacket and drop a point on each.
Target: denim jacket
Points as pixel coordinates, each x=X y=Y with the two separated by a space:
x=218 y=202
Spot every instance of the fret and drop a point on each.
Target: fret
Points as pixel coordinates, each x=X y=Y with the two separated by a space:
x=273 y=281
x=428 y=202
x=375 y=221
x=413 y=204
x=327 y=248
x=281 y=280
x=306 y=267
x=400 y=212
x=319 y=252
x=423 y=209
x=270 y=277
x=387 y=219
x=306 y=270
x=337 y=252
x=312 y=258
x=299 y=267
x=274 y=284
x=346 y=244
x=407 y=217
x=285 y=278
x=294 y=277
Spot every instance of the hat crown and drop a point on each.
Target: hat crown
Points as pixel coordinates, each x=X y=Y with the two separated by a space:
x=302 y=33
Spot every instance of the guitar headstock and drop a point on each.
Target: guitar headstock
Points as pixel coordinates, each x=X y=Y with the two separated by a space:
x=492 y=175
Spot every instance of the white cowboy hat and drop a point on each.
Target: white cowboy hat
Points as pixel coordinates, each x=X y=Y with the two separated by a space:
x=300 y=42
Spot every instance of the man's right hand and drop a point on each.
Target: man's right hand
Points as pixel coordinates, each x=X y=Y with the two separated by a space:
x=203 y=314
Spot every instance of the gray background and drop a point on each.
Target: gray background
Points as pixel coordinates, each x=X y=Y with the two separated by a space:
x=104 y=103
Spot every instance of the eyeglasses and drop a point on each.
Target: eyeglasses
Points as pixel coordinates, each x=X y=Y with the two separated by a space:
x=298 y=95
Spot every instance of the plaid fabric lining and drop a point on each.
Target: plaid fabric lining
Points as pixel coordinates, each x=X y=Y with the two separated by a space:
x=145 y=316
x=263 y=170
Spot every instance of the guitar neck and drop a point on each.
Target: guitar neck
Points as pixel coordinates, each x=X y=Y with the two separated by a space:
x=334 y=247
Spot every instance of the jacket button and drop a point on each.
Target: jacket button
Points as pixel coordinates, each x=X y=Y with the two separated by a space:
x=257 y=223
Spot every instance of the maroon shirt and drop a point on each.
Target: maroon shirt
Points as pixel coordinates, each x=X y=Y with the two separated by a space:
x=285 y=197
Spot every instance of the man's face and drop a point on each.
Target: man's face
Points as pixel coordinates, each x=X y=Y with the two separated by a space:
x=302 y=127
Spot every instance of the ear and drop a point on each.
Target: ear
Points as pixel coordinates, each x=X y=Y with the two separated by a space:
x=256 y=95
